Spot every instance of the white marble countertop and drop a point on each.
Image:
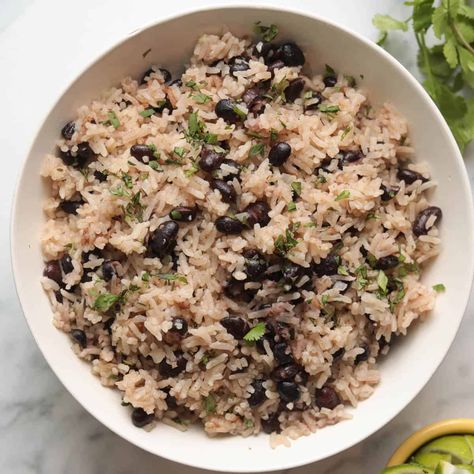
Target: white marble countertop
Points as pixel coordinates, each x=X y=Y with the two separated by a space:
x=43 y=44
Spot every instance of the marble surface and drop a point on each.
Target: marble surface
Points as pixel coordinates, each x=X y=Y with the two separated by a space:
x=42 y=428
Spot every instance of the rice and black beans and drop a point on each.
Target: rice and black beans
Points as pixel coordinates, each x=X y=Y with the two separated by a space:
x=237 y=246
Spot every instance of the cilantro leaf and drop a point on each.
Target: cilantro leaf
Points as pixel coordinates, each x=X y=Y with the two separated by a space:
x=172 y=277
x=296 y=187
x=256 y=149
x=209 y=403
x=439 y=288
x=255 y=333
x=343 y=195
x=201 y=98
x=267 y=33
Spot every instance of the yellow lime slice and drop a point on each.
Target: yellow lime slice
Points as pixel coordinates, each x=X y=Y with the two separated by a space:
x=470 y=441
x=407 y=469
x=455 y=445
x=431 y=459
x=445 y=467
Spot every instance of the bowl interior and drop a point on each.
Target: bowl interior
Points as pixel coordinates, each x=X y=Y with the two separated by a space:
x=409 y=365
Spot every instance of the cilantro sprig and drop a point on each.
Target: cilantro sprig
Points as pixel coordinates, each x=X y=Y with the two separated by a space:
x=448 y=64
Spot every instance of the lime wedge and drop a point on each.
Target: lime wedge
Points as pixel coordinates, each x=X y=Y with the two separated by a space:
x=455 y=445
x=445 y=467
x=430 y=459
x=470 y=442
x=407 y=469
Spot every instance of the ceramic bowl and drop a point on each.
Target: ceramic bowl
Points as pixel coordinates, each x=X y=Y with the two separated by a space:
x=409 y=365
x=428 y=433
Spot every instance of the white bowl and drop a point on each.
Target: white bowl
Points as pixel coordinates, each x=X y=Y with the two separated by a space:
x=411 y=363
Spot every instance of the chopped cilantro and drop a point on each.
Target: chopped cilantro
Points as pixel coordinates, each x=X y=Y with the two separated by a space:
x=361 y=273
x=273 y=134
x=248 y=423
x=173 y=277
x=134 y=209
x=256 y=149
x=439 y=288
x=127 y=179
x=255 y=333
x=329 y=71
x=328 y=109
x=174 y=214
x=343 y=195
x=345 y=132
x=191 y=171
x=180 y=151
x=118 y=191
x=106 y=300
x=324 y=299
x=192 y=84
x=253 y=134
x=296 y=187
x=154 y=165
x=372 y=216
x=284 y=243
x=201 y=98
x=267 y=33
x=310 y=224
x=291 y=206
x=145 y=276
x=237 y=110
x=342 y=270
x=112 y=120
x=210 y=138
x=147 y=112
x=209 y=404
x=382 y=281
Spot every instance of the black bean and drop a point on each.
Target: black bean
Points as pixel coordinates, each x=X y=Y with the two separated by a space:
x=141 y=418
x=363 y=356
x=409 y=176
x=291 y=54
x=271 y=425
x=109 y=269
x=330 y=81
x=163 y=239
x=283 y=332
x=272 y=67
x=170 y=400
x=229 y=225
x=338 y=354
x=282 y=353
x=255 y=264
x=327 y=266
x=250 y=95
x=72 y=160
x=419 y=225
x=162 y=105
x=70 y=207
x=225 y=109
x=84 y=151
x=167 y=370
x=235 y=326
x=79 y=336
x=95 y=252
x=260 y=343
x=258 y=395
x=210 y=160
x=258 y=213
x=326 y=397
x=100 y=176
x=294 y=89
x=235 y=289
x=289 y=391
x=59 y=296
x=87 y=275
x=52 y=270
x=141 y=151
x=183 y=213
x=389 y=192
x=285 y=372
x=177 y=331
x=385 y=263
x=68 y=130
x=227 y=190
x=265 y=50
x=66 y=264
x=238 y=64
x=108 y=325
x=257 y=106
x=311 y=103
x=349 y=156
x=229 y=175
x=291 y=271
x=279 y=153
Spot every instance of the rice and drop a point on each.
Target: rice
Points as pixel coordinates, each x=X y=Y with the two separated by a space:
x=337 y=260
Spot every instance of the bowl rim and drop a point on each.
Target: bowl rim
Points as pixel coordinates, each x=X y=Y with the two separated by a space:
x=448 y=426
x=367 y=43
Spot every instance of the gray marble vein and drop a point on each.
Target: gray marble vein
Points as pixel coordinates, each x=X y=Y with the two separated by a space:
x=43 y=430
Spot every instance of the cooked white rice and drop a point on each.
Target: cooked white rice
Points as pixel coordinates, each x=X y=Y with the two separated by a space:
x=342 y=322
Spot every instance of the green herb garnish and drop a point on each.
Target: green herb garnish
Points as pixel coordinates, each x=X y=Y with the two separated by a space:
x=291 y=206
x=329 y=71
x=172 y=277
x=127 y=179
x=134 y=209
x=201 y=98
x=285 y=243
x=192 y=84
x=255 y=333
x=296 y=187
x=145 y=276
x=343 y=195
x=119 y=191
x=191 y=171
x=256 y=149
x=324 y=299
x=361 y=273
x=209 y=404
x=154 y=165
x=267 y=33
x=342 y=270
x=106 y=300
x=112 y=120
x=448 y=65
x=345 y=132
x=237 y=110
x=147 y=112
x=439 y=288
x=382 y=281
x=329 y=109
